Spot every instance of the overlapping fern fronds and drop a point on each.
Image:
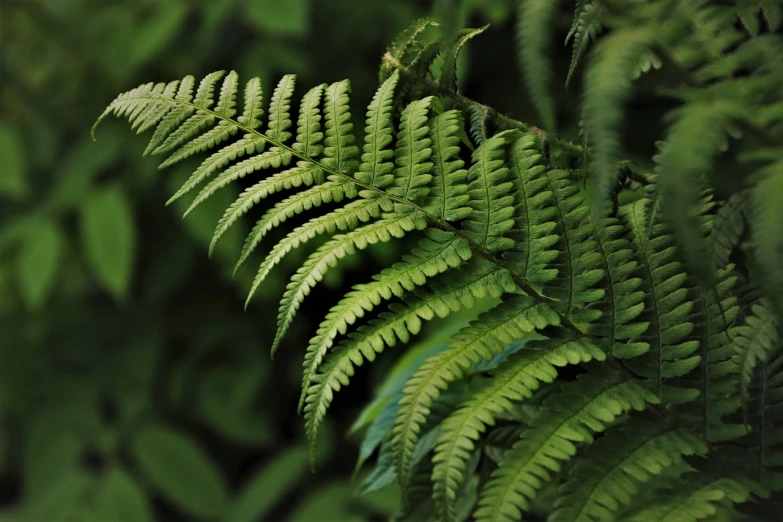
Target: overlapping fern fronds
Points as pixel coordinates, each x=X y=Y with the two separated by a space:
x=669 y=362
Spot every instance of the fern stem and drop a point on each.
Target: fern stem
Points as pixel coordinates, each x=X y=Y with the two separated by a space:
x=467 y=105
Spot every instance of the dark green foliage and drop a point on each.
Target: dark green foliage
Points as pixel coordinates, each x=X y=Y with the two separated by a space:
x=651 y=298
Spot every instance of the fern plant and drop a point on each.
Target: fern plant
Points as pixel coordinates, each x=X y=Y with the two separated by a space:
x=668 y=322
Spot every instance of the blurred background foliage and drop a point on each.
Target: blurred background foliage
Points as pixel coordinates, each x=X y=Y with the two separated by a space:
x=132 y=385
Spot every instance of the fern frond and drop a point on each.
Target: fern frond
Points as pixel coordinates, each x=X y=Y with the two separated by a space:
x=491 y=197
x=607 y=86
x=610 y=472
x=196 y=123
x=672 y=353
x=483 y=339
x=514 y=381
x=534 y=32
x=307 y=175
x=308 y=130
x=585 y=28
x=579 y=264
x=438 y=252
x=343 y=218
x=695 y=500
x=754 y=343
x=569 y=417
x=254 y=104
x=477 y=279
x=280 y=109
x=767 y=236
x=728 y=227
x=533 y=234
x=313 y=270
x=404 y=45
x=339 y=151
x=448 y=192
x=448 y=75
x=695 y=136
x=618 y=328
x=376 y=167
x=412 y=154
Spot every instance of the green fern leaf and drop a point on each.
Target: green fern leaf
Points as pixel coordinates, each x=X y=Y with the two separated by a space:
x=308 y=133
x=754 y=344
x=478 y=279
x=672 y=353
x=448 y=75
x=534 y=30
x=404 y=45
x=254 y=104
x=340 y=152
x=344 y=218
x=491 y=197
x=438 y=252
x=609 y=474
x=302 y=175
x=533 y=231
x=280 y=109
x=196 y=123
x=728 y=227
x=376 y=167
x=483 y=339
x=448 y=192
x=313 y=270
x=580 y=409
x=586 y=26
x=515 y=380
x=412 y=175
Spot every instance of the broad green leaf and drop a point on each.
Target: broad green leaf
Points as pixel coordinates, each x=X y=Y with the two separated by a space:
x=38 y=261
x=121 y=498
x=180 y=470
x=269 y=484
x=109 y=239
x=13 y=171
x=66 y=499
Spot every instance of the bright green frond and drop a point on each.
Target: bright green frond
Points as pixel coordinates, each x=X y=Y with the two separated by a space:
x=214 y=136
x=273 y=158
x=175 y=114
x=340 y=152
x=534 y=32
x=579 y=265
x=611 y=471
x=305 y=174
x=534 y=229
x=412 y=155
x=248 y=145
x=515 y=380
x=619 y=325
x=341 y=245
x=227 y=101
x=448 y=191
x=280 y=109
x=254 y=105
x=344 y=218
x=478 y=279
x=438 y=252
x=569 y=417
x=672 y=353
x=405 y=45
x=509 y=321
x=376 y=167
x=308 y=130
x=491 y=197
